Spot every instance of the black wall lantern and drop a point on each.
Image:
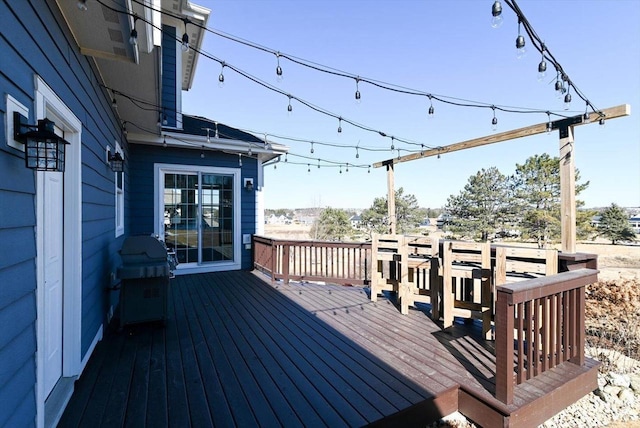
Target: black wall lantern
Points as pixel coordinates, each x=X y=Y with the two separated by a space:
x=43 y=150
x=116 y=162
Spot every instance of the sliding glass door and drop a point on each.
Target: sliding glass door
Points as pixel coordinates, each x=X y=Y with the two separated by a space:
x=199 y=221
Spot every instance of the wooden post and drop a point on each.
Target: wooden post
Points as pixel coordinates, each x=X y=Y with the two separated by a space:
x=504 y=349
x=391 y=199
x=567 y=190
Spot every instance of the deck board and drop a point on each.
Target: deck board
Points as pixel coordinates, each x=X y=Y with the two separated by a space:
x=238 y=350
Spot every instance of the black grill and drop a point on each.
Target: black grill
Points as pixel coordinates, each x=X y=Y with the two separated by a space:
x=144 y=274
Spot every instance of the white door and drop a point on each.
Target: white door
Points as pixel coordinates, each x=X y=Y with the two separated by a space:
x=51 y=186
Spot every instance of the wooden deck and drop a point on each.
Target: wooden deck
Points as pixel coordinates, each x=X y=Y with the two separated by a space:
x=240 y=351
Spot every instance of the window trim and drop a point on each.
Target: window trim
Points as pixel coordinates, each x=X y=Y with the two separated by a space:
x=119 y=192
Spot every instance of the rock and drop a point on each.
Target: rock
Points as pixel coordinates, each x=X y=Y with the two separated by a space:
x=610 y=394
x=621 y=380
x=635 y=382
x=626 y=395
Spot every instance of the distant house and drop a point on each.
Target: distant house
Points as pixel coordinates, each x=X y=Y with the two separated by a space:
x=634 y=223
x=443 y=219
x=356 y=221
x=195 y=183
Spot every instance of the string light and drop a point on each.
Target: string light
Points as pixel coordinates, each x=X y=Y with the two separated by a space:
x=289 y=107
x=567 y=99
x=549 y=124
x=114 y=103
x=601 y=121
x=347 y=170
x=542 y=67
x=240 y=159
x=339 y=125
x=520 y=49
x=279 y=76
x=559 y=85
x=202 y=152
x=185 y=37
x=133 y=38
x=308 y=168
x=496 y=11
x=357 y=154
x=369 y=170
x=124 y=128
x=340 y=169
x=286 y=159
x=312 y=148
x=164 y=119
x=494 y=121
x=585 y=116
x=249 y=150
x=82 y=5
x=421 y=149
x=217 y=136
x=221 y=76
x=431 y=109
x=357 y=90
x=392 y=145
x=318 y=163
x=164 y=141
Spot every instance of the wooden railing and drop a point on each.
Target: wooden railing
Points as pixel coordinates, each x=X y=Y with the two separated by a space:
x=540 y=323
x=333 y=262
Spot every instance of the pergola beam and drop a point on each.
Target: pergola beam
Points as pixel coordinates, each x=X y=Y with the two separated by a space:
x=540 y=128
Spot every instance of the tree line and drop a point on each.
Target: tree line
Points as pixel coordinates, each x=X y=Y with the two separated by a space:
x=492 y=205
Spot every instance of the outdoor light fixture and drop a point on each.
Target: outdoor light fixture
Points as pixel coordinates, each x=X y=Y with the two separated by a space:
x=82 y=5
x=116 y=163
x=496 y=11
x=278 y=68
x=44 y=150
x=248 y=184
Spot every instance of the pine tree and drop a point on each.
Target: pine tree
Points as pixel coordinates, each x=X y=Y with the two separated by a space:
x=614 y=225
x=481 y=208
x=408 y=214
x=332 y=225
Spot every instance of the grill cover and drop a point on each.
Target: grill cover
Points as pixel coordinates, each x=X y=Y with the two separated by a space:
x=143 y=257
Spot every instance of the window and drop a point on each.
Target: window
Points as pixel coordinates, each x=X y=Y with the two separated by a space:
x=119 y=191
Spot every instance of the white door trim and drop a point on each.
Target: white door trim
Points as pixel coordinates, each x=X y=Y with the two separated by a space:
x=48 y=104
x=158 y=217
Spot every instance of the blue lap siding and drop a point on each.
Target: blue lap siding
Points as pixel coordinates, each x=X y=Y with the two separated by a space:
x=34 y=41
x=142 y=160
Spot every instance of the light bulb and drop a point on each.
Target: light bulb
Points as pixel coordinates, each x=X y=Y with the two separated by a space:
x=164 y=120
x=279 y=76
x=567 y=101
x=601 y=122
x=520 y=49
x=542 y=70
x=239 y=159
x=392 y=145
x=249 y=153
x=357 y=154
x=339 y=125
x=496 y=11
x=114 y=103
x=133 y=39
x=311 y=151
x=431 y=111
x=357 y=95
x=289 y=107
x=185 y=42
x=494 y=124
x=82 y=5
x=164 y=142
x=221 y=80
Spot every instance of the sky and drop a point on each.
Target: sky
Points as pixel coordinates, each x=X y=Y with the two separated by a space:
x=446 y=48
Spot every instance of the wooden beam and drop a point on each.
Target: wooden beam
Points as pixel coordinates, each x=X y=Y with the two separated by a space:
x=540 y=128
x=391 y=199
